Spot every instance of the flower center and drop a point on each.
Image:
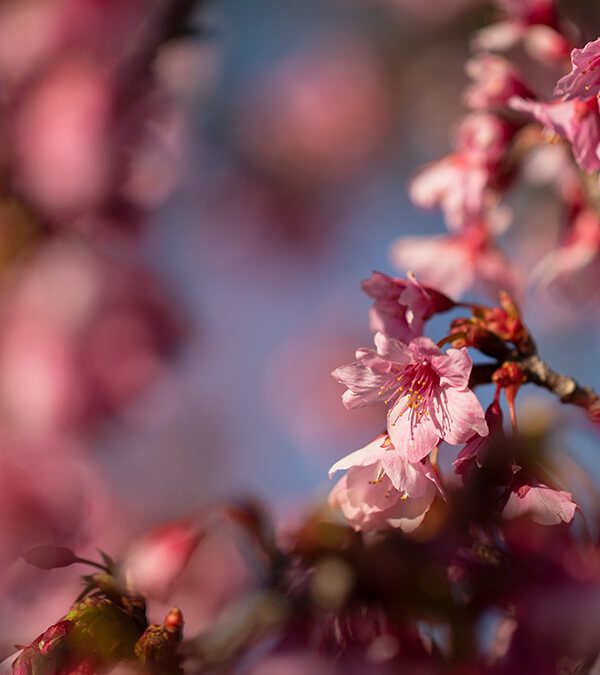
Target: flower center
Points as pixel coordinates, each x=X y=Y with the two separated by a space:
x=414 y=386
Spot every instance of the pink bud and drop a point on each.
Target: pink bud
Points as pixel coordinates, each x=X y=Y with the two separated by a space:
x=154 y=562
x=49 y=557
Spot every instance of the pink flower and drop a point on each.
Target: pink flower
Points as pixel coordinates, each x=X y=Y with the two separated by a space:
x=574 y=267
x=576 y=121
x=456 y=263
x=540 y=503
x=583 y=82
x=382 y=488
x=454 y=184
x=532 y=22
x=495 y=81
x=425 y=390
x=402 y=306
x=484 y=138
x=464 y=184
x=62 y=141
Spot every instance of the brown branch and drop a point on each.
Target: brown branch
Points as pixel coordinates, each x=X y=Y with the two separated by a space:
x=566 y=388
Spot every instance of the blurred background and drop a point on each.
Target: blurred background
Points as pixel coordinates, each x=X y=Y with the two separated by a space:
x=188 y=203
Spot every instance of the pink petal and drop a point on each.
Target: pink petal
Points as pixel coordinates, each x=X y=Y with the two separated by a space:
x=457 y=415
x=542 y=504
x=415 y=440
x=372 y=453
x=454 y=368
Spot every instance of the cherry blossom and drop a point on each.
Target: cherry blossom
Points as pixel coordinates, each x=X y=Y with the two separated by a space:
x=583 y=82
x=456 y=185
x=530 y=22
x=573 y=267
x=382 y=488
x=425 y=390
x=495 y=81
x=576 y=121
x=402 y=306
x=457 y=263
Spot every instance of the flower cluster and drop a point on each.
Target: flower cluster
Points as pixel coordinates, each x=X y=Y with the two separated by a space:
x=513 y=119
x=394 y=480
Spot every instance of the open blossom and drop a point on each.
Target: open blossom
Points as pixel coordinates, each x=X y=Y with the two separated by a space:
x=457 y=263
x=425 y=390
x=540 y=503
x=583 y=82
x=382 y=488
x=576 y=121
x=402 y=305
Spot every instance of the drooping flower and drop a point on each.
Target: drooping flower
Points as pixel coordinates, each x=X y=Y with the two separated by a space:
x=425 y=390
x=456 y=263
x=402 y=305
x=583 y=82
x=540 y=503
x=576 y=121
x=382 y=488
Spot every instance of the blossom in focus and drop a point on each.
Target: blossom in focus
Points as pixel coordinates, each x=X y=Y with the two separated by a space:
x=576 y=121
x=425 y=390
x=454 y=264
x=382 y=488
x=583 y=82
x=540 y=503
x=402 y=305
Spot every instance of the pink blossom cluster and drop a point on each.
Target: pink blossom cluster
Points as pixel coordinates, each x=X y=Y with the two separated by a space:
x=394 y=480
x=512 y=118
x=91 y=130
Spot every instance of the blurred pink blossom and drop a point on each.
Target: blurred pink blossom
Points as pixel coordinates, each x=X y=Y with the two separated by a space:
x=495 y=81
x=155 y=561
x=573 y=267
x=319 y=115
x=455 y=264
x=62 y=143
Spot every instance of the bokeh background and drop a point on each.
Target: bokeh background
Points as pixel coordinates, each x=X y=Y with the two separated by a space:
x=171 y=346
